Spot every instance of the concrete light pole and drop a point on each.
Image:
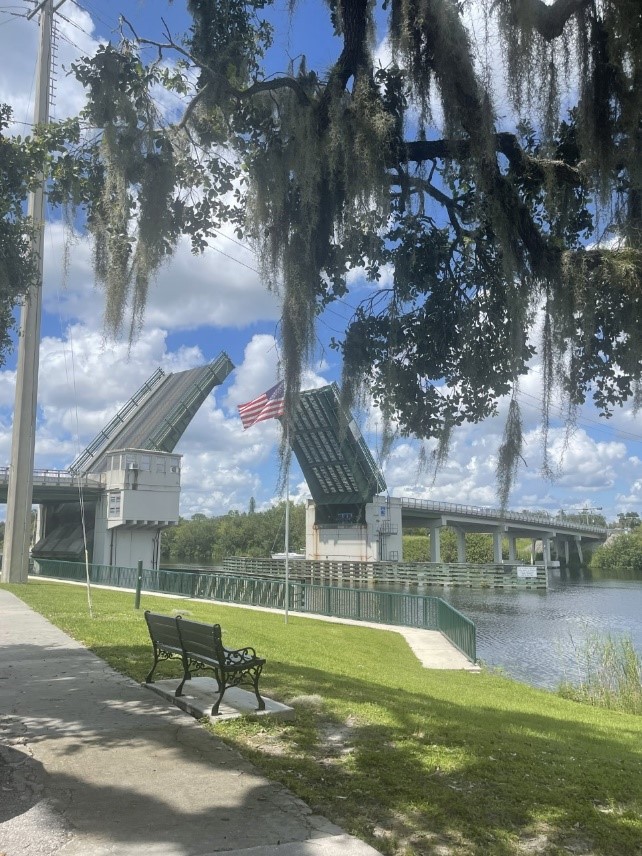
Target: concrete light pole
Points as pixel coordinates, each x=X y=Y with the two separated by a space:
x=588 y=510
x=15 y=560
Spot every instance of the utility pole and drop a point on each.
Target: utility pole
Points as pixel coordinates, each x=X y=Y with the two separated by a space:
x=15 y=559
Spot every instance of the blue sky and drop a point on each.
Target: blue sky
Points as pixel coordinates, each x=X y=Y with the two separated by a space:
x=202 y=305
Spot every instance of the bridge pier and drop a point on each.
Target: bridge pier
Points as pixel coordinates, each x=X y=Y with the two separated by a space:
x=578 y=544
x=497 y=545
x=561 y=549
x=512 y=548
x=434 y=531
x=461 y=544
x=546 y=550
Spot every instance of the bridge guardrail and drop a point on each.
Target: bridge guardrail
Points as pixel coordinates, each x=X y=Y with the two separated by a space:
x=481 y=511
x=62 y=478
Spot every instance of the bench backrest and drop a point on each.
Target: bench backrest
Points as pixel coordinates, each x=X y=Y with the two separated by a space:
x=201 y=640
x=163 y=630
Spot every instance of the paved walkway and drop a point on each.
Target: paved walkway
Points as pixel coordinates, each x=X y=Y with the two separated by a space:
x=91 y=764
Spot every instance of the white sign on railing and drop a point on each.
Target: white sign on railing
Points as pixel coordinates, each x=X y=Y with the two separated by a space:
x=526 y=571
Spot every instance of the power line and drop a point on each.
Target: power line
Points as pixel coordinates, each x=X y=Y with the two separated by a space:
x=95 y=14
x=233 y=258
x=74 y=24
x=584 y=422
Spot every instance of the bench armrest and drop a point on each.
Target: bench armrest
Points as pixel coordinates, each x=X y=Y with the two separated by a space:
x=233 y=657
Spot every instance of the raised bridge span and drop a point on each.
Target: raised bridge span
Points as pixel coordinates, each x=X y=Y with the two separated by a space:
x=339 y=469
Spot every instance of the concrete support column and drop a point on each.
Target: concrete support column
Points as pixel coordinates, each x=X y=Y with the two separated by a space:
x=18 y=530
x=512 y=548
x=566 y=552
x=578 y=544
x=497 y=546
x=41 y=523
x=461 y=545
x=435 y=542
x=533 y=550
x=546 y=549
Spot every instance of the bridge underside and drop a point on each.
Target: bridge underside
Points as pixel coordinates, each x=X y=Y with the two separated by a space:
x=494 y=520
x=156 y=417
x=336 y=462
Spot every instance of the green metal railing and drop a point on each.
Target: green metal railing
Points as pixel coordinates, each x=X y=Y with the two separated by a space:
x=399 y=608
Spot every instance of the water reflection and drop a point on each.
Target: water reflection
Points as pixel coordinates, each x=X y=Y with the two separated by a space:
x=538 y=636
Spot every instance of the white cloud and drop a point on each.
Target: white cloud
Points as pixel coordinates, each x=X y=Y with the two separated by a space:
x=189 y=292
x=19 y=47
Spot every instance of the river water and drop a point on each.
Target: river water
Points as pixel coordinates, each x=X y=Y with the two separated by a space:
x=538 y=636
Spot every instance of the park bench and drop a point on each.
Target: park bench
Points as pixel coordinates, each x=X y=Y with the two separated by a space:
x=200 y=647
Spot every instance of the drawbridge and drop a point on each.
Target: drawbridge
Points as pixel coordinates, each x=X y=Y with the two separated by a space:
x=156 y=416
x=336 y=463
x=149 y=427
x=352 y=518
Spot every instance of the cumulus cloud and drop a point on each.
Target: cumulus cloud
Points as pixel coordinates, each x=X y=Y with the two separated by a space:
x=191 y=291
x=75 y=36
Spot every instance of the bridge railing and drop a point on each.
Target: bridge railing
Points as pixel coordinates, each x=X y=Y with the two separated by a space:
x=496 y=513
x=57 y=478
x=426 y=612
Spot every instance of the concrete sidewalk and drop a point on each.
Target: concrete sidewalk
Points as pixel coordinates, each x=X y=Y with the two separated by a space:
x=91 y=763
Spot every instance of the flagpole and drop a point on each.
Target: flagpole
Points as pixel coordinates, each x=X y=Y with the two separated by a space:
x=271 y=405
x=287 y=522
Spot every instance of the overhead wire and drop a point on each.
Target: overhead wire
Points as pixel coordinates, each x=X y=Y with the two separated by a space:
x=93 y=13
x=583 y=421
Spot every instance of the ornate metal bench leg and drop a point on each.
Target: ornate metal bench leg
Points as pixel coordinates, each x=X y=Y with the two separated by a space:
x=221 y=691
x=148 y=679
x=255 y=683
x=186 y=677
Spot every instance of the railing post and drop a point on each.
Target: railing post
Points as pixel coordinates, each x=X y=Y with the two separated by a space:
x=139 y=585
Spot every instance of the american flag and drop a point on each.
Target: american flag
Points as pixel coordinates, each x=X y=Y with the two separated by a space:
x=270 y=405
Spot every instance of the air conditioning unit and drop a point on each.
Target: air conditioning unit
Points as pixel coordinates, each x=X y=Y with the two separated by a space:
x=132 y=466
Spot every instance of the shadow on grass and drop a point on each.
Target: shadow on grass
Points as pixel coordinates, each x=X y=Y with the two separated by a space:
x=413 y=762
x=123 y=769
x=431 y=771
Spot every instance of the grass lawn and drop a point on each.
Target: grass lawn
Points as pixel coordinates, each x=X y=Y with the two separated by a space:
x=411 y=760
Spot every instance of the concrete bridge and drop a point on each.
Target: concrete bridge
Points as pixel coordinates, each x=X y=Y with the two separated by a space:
x=555 y=533
x=351 y=518
x=56 y=485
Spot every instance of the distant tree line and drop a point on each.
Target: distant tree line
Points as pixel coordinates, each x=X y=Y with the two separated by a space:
x=416 y=546
x=620 y=557
x=260 y=533
x=255 y=533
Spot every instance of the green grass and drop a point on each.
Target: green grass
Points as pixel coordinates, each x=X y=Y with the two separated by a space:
x=611 y=674
x=412 y=760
